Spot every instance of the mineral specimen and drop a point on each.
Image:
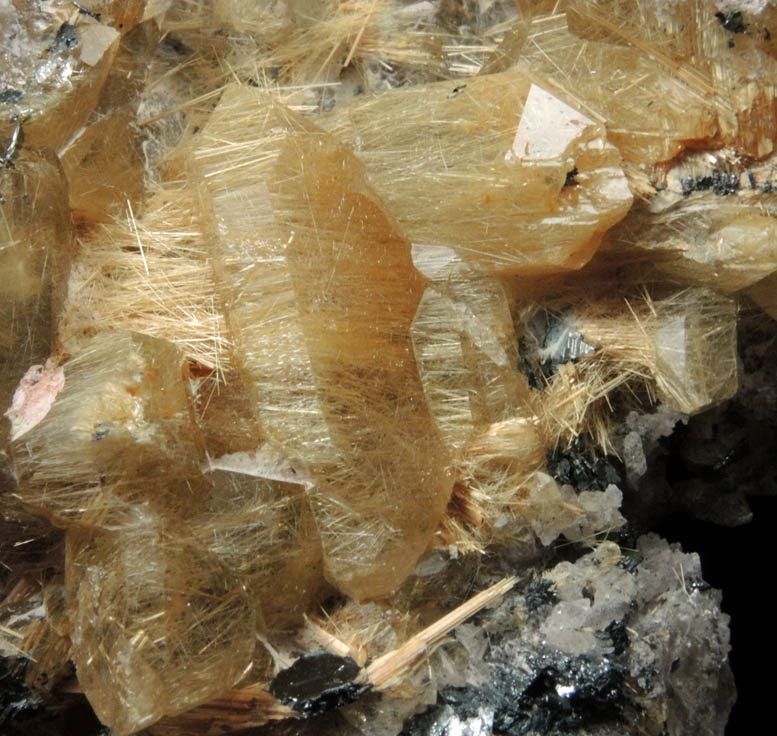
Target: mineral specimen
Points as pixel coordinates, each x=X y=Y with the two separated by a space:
x=158 y=624
x=320 y=291
x=602 y=646
x=466 y=350
x=120 y=432
x=375 y=305
x=478 y=169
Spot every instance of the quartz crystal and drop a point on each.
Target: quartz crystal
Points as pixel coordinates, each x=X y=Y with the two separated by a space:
x=376 y=303
x=701 y=76
x=150 y=273
x=320 y=291
x=36 y=243
x=103 y=159
x=55 y=69
x=480 y=169
x=648 y=112
x=263 y=530
x=466 y=349
x=725 y=245
x=119 y=432
x=682 y=345
x=695 y=344
x=159 y=625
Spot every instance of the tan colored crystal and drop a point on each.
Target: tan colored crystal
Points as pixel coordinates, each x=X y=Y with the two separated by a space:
x=283 y=413
x=149 y=274
x=723 y=243
x=327 y=41
x=708 y=69
x=685 y=341
x=696 y=355
x=648 y=111
x=320 y=292
x=103 y=159
x=119 y=432
x=59 y=67
x=466 y=349
x=158 y=624
x=36 y=243
x=480 y=168
x=263 y=530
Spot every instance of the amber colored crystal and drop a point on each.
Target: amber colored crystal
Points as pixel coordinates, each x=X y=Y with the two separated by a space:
x=149 y=274
x=257 y=519
x=318 y=39
x=500 y=169
x=158 y=624
x=333 y=322
x=706 y=66
x=320 y=291
x=724 y=244
x=103 y=160
x=58 y=67
x=263 y=530
x=466 y=348
x=119 y=432
x=36 y=243
x=649 y=109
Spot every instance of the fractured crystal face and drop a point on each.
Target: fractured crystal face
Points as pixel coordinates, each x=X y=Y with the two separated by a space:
x=158 y=624
x=320 y=291
x=120 y=431
x=500 y=169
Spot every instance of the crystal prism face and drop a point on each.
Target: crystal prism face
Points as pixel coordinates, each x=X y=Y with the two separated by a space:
x=120 y=431
x=724 y=245
x=158 y=624
x=263 y=530
x=320 y=291
x=466 y=350
x=36 y=240
x=695 y=344
x=484 y=177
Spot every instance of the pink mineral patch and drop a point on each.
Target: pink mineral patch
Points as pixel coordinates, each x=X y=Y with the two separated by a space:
x=33 y=397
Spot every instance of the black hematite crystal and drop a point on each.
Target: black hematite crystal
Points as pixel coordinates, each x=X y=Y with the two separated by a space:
x=318 y=682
